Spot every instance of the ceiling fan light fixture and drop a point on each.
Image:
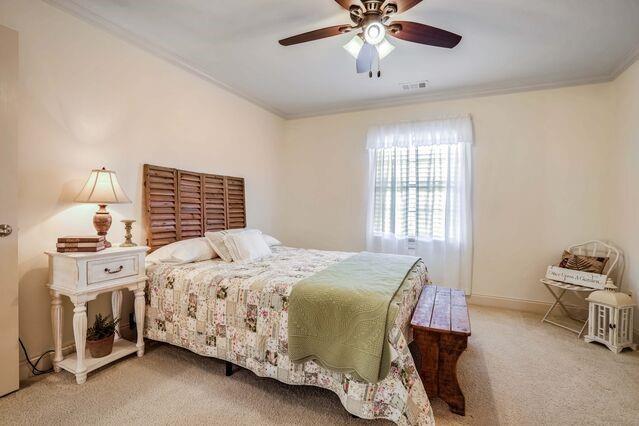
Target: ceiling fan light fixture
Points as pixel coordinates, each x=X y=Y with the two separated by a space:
x=374 y=33
x=384 y=48
x=354 y=46
x=373 y=21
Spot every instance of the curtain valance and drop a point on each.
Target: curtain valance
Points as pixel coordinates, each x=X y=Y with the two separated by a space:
x=422 y=133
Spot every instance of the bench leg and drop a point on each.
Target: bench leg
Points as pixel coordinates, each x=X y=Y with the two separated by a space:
x=450 y=348
x=428 y=344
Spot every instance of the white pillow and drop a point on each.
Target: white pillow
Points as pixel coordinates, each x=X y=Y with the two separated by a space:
x=247 y=245
x=216 y=239
x=271 y=241
x=185 y=251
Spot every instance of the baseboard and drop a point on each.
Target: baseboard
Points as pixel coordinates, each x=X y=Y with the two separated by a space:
x=46 y=363
x=514 y=304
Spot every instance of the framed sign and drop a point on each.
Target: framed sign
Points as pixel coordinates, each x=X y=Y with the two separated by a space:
x=585 y=279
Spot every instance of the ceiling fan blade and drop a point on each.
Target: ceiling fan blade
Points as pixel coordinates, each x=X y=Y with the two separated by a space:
x=316 y=35
x=424 y=34
x=403 y=5
x=346 y=4
x=366 y=58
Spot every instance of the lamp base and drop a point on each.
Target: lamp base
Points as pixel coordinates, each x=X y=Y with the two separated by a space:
x=102 y=222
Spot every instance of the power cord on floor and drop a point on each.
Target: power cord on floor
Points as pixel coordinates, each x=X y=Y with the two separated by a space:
x=34 y=367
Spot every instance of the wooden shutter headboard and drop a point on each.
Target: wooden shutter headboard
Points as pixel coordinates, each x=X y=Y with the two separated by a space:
x=180 y=204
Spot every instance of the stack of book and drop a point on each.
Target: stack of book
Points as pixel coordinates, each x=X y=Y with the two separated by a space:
x=80 y=244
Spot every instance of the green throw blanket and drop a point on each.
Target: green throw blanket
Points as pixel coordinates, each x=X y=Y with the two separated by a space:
x=340 y=317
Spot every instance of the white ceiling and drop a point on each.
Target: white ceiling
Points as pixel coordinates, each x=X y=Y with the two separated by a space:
x=508 y=45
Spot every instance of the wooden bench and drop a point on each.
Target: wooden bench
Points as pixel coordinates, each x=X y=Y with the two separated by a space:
x=441 y=327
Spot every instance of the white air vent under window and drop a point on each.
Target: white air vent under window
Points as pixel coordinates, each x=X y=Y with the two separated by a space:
x=416 y=85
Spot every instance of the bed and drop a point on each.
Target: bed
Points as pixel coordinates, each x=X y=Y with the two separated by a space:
x=238 y=312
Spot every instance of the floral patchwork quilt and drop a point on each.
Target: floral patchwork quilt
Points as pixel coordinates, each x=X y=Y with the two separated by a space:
x=238 y=312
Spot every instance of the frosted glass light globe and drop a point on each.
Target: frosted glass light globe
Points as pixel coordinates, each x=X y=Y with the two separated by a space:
x=374 y=33
x=354 y=46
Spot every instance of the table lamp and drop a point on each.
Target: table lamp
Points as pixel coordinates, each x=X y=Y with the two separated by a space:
x=102 y=188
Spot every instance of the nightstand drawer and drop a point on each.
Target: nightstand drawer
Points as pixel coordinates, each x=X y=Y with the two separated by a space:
x=110 y=269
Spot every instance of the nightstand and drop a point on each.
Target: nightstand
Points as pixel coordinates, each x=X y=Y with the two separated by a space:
x=82 y=277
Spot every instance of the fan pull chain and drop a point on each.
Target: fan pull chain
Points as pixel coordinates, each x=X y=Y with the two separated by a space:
x=379 y=70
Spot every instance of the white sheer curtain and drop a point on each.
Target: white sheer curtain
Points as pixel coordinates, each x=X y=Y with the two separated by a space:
x=420 y=195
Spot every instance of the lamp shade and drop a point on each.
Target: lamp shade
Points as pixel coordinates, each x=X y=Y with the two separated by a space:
x=102 y=187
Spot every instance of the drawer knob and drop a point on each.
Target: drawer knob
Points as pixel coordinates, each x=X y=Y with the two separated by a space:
x=115 y=271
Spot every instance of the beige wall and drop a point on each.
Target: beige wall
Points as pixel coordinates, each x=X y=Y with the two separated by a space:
x=623 y=205
x=89 y=99
x=540 y=178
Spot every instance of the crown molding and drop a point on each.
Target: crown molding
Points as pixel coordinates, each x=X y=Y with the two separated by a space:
x=452 y=95
x=626 y=63
x=477 y=92
x=86 y=15
x=173 y=58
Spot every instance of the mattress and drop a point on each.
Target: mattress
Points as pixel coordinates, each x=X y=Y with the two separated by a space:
x=238 y=312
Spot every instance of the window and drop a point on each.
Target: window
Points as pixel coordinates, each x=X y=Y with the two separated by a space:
x=420 y=195
x=418 y=191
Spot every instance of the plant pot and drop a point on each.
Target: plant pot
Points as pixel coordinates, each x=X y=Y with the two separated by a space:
x=101 y=348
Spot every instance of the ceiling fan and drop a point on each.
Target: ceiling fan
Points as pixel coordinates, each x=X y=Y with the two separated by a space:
x=370 y=45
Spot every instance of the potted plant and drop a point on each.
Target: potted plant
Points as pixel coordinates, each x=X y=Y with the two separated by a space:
x=100 y=336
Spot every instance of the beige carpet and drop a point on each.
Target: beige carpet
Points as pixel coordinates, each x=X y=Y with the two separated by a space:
x=516 y=371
